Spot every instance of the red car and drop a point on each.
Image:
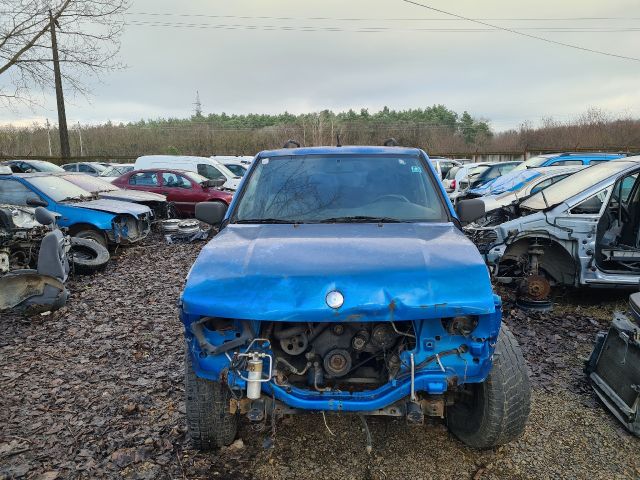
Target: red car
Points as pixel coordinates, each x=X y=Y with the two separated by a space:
x=184 y=189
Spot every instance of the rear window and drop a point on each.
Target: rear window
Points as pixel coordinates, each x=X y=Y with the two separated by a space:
x=146 y=179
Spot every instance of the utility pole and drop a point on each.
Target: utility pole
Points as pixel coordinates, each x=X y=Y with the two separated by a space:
x=65 y=151
x=80 y=135
x=49 y=137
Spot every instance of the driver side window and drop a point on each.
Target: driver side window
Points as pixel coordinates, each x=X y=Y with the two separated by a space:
x=174 y=180
x=591 y=205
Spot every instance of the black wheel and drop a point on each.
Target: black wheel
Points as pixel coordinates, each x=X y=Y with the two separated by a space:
x=495 y=412
x=209 y=422
x=91 y=234
x=87 y=256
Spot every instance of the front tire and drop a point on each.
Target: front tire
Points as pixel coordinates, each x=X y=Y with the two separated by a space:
x=209 y=422
x=91 y=234
x=495 y=411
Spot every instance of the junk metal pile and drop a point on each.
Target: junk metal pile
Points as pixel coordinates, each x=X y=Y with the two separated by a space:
x=91 y=349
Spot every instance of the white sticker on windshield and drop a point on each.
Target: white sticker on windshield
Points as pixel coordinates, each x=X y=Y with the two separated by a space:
x=401 y=161
x=415 y=169
x=265 y=161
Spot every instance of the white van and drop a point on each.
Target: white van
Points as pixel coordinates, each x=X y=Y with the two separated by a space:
x=207 y=167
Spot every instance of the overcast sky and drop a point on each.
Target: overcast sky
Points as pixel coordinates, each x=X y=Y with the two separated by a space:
x=269 y=65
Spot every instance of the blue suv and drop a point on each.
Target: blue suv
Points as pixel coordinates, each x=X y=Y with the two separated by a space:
x=341 y=281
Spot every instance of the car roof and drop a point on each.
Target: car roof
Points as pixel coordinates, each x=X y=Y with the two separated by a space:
x=583 y=155
x=346 y=150
x=161 y=169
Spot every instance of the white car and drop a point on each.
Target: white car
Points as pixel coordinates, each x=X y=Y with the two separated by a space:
x=207 y=167
x=114 y=170
x=238 y=164
x=459 y=173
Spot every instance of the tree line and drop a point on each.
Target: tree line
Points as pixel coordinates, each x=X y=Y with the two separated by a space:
x=436 y=129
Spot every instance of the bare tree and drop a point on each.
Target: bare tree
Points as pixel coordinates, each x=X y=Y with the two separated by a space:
x=88 y=37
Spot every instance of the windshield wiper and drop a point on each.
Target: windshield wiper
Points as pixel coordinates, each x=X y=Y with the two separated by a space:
x=267 y=220
x=360 y=219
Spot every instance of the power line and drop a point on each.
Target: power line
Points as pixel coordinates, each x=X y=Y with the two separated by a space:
x=364 y=19
x=517 y=32
x=311 y=28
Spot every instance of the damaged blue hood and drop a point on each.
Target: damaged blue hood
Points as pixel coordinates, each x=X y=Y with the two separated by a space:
x=114 y=206
x=401 y=271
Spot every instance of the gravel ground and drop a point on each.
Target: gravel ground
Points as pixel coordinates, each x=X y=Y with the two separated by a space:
x=95 y=391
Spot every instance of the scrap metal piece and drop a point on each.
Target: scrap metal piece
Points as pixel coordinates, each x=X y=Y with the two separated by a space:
x=614 y=371
x=17 y=289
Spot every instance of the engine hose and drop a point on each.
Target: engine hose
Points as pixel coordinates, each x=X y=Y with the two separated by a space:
x=428 y=360
x=197 y=328
x=291 y=368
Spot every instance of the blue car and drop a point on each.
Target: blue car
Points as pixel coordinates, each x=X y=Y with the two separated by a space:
x=568 y=159
x=341 y=281
x=81 y=212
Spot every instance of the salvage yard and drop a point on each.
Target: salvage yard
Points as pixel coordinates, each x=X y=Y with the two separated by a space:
x=95 y=390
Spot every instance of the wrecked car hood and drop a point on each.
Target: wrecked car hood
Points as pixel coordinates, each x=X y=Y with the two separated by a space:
x=133 y=196
x=398 y=271
x=114 y=206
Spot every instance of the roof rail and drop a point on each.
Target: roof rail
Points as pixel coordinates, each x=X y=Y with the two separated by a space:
x=291 y=144
x=390 y=142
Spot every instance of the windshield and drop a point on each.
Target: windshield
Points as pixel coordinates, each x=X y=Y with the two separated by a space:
x=90 y=184
x=533 y=162
x=451 y=174
x=513 y=181
x=237 y=170
x=473 y=171
x=42 y=166
x=58 y=189
x=196 y=177
x=340 y=188
x=574 y=184
x=227 y=173
x=116 y=170
x=98 y=167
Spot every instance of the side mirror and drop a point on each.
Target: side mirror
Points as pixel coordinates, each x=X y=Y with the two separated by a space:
x=44 y=216
x=470 y=210
x=211 y=212
x=36 y=202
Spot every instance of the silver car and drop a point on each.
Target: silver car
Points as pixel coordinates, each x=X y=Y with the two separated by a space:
x=515 y=186
x=580 y=231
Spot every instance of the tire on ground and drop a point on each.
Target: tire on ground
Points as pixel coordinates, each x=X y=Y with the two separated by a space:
x=91 y=234
x=87 y=256
x=496 y=412
x=209 y=422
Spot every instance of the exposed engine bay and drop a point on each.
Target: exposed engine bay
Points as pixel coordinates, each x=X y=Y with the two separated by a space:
x=20 y=237
x=348 y=356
